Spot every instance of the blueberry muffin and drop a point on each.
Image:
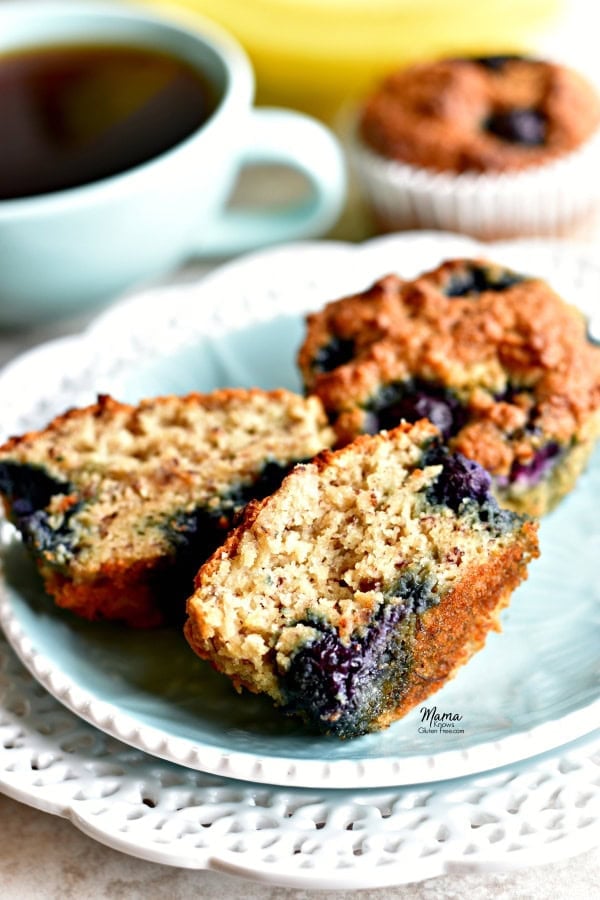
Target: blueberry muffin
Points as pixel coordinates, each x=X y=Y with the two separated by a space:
x=495 y=359
x=120 y=504
x=363 y=583
x=494 y=146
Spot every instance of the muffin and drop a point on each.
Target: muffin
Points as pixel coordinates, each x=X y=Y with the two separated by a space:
x=495 y=359
x=120 y=504
x=362 y=584
x=494 y=147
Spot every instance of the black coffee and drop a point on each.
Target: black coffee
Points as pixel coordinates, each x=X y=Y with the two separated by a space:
x=76 y=114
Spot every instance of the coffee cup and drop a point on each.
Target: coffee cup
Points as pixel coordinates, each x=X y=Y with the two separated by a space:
x=68 y=249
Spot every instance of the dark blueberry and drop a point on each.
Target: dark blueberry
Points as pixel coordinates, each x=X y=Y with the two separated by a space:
x=460 y=479
x=421 y=406
x=29 y=490
x=49 y=539
x=336 y=353
x=500 y=520
x=473 y=280
x=200 y=531
x=464 y=480
x=518 y=126
x=543 y=461
x=496 y=63
x=341 y=689
x=413 y=400
x=30 y=487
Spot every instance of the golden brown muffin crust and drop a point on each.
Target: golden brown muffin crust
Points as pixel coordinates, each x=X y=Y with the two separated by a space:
x=433 y=114
x=524 y=336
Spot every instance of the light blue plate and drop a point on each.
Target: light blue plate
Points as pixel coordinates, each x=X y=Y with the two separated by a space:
x=542 y=668
x=533 y=687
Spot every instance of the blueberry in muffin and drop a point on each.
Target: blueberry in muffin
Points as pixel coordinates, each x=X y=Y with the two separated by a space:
x=495 y=359
x=120 y=504
x=363 y=583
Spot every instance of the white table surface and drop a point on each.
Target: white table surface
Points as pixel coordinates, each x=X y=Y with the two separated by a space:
x=45 y=857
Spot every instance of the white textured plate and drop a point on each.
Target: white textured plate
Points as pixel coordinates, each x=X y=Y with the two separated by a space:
x=534 y=687
x=535 y=812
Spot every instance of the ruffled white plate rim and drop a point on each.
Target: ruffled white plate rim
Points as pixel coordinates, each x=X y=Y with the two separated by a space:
x=537 y=812
x=216 y=289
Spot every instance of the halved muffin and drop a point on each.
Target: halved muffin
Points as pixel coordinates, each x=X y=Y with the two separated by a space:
x=119 y=505
x=362 y=583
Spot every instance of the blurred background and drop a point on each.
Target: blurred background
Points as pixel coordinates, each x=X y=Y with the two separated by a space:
x=318 y=55
x=322 y=57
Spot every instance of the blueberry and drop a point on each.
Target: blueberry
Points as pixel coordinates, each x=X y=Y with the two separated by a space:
x=198 y=532
x=324 y=675
x=474 y=279
x=464 y=480
x=496 y=63
x=525 y=126
x=29 y=490
x=269 y=479
x=29 y=486
x=47 y=539
x=336 y=353
x=194 y=535
x=543 y=461
x=460 y=479
x=421 y=406
x=341 y=689
x=413 y=400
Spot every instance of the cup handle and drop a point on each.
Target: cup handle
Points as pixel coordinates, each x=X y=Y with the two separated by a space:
x=291 y=139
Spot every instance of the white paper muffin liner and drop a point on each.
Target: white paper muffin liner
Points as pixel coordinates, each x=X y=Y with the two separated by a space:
x=554 y=199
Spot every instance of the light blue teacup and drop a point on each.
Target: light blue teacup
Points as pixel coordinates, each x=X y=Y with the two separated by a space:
x=63 y=252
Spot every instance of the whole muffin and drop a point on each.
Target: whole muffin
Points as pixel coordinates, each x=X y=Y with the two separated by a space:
x=494 y=146
x=496 y=360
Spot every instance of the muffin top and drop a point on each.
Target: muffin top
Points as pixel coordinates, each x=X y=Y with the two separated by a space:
x=483 y=114
x=505 y=359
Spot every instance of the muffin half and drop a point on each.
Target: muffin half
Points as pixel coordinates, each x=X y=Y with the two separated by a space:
x=119 y=504
x=360 y=586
